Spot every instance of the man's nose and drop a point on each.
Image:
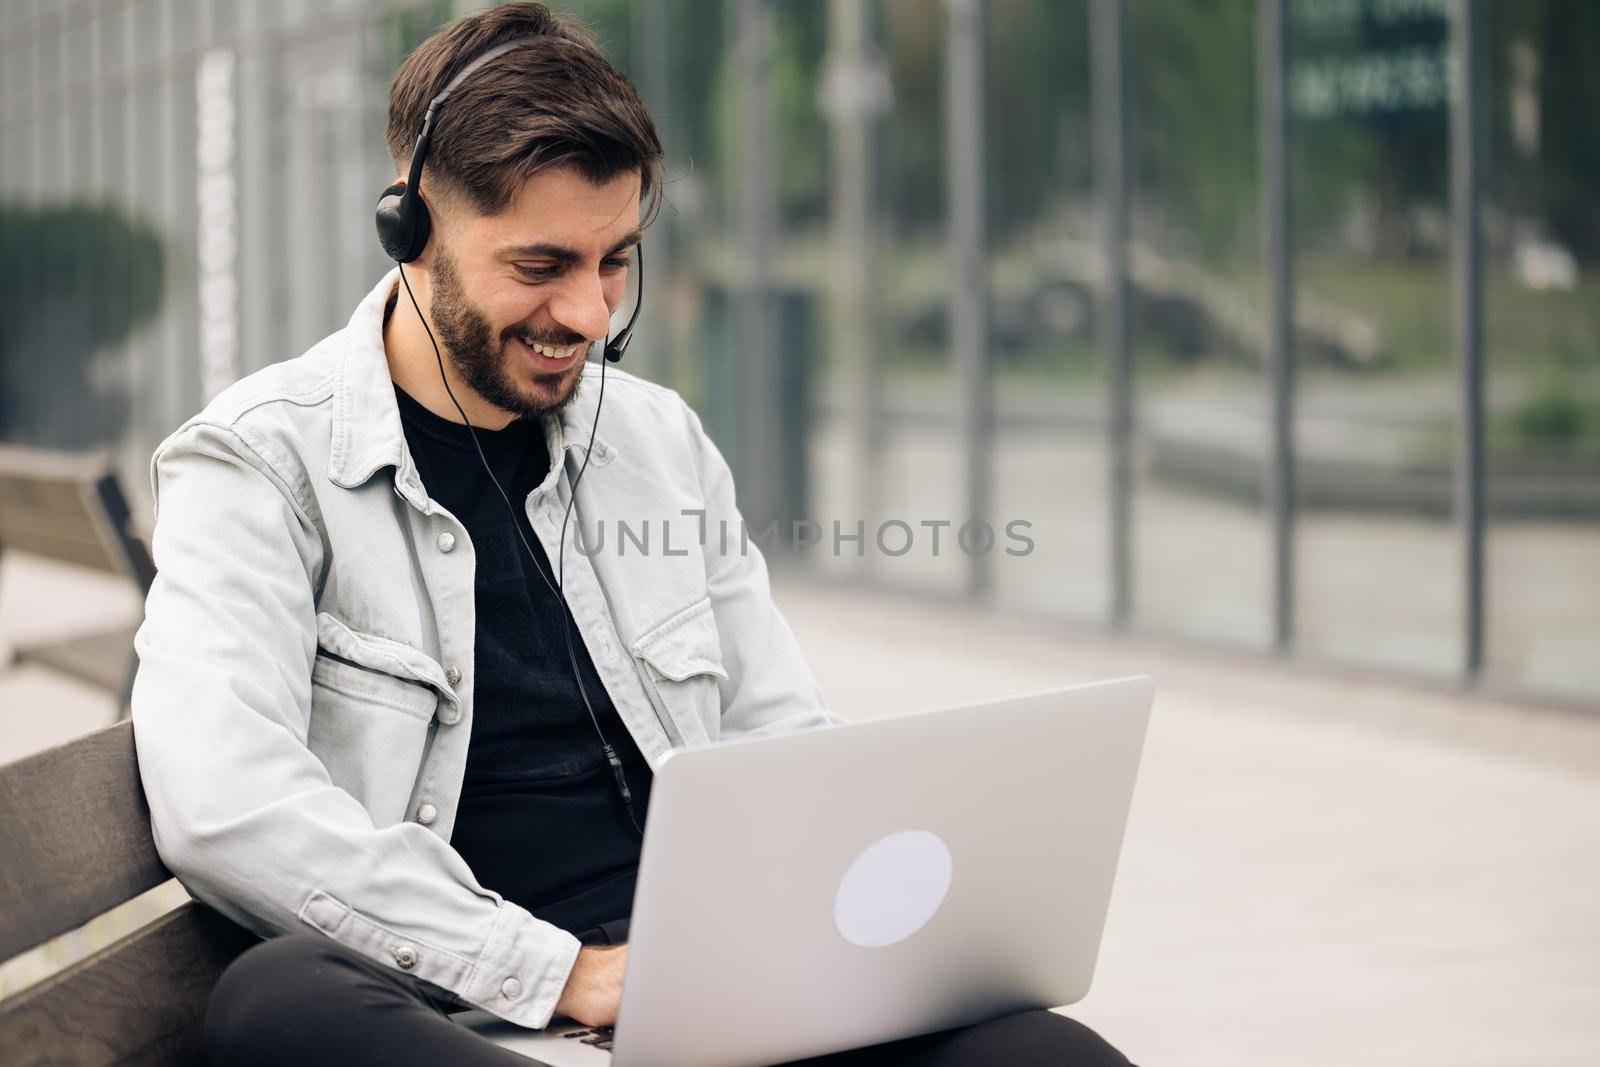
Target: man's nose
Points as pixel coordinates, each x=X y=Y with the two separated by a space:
x=581 y=306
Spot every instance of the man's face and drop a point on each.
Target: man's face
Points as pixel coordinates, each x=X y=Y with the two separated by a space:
x=517 y=298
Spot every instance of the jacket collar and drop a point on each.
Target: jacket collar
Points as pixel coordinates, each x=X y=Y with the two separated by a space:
x=367 y=433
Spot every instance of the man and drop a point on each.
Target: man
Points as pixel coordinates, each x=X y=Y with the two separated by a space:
x=363 y=715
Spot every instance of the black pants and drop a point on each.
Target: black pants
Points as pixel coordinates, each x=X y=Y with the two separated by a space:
x=308 y=1000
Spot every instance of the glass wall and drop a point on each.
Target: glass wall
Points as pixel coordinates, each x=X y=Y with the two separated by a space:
x=1378 y=577
x=1200 y=536
x=1050 y=462
x=1542 y=319
x=918 y=475
x=868 y=199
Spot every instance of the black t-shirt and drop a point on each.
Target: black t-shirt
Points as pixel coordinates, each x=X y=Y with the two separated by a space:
x=540 y=819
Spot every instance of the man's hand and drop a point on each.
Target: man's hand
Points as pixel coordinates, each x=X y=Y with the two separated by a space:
x=594 y=988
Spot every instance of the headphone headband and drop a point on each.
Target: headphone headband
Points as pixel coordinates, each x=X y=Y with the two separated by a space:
x=498 y=50
x=402 y=217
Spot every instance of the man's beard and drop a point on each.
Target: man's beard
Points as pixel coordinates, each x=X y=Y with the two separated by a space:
x=464 y=334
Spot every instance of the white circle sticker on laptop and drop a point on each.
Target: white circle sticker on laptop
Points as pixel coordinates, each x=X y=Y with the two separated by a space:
x=892 y=888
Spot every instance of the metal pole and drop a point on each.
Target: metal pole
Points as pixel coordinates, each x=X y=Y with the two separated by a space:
x=855 y=92
x=258 y=318
x=1108 y=28
x=177 y=365
x=1466 y=145
x=758 y=467
x=99 y=185
x=68 y=411
x=148 y=426
x=1272 y=23
x=34 y=184
x=969 y=306
x=276 y=130
x=36 y=69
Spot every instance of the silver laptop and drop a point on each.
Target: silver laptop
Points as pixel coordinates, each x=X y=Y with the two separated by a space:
x=826 y=890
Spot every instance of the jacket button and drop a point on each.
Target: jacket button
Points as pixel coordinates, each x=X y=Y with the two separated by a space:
x=405 y=957
x=426 y=813
x=452 y=674
x=447 y=541
x=511 y=988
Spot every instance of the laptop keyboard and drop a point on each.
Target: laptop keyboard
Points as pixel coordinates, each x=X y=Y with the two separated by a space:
x=600 y=1037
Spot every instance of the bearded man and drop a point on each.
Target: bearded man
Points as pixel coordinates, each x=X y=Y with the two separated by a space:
x=382 y=718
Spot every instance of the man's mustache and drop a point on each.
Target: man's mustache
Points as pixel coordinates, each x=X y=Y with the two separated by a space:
x=554 y=338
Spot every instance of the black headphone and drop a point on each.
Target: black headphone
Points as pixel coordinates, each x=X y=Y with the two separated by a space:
x=403 y=229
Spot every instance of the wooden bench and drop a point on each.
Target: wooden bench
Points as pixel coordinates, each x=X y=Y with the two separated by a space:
x=70 y=508
x=74 y=843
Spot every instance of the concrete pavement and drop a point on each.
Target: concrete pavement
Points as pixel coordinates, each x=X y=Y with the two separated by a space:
x=1318 y=871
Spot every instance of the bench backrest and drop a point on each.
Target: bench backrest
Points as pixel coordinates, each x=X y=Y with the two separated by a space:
x=75 y=842
x=69 y=507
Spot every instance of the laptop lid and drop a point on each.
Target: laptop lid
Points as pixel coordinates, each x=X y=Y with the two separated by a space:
x=813 y=892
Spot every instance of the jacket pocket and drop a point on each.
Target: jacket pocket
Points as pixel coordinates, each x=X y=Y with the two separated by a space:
x=382 y=654
x=369 y=727
x=680 y=661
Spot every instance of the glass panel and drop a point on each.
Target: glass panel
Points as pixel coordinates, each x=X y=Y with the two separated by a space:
x=142 y=198
x=918 y=462
x=1050 y=453
x=1378 y=560
x=845 y=252
x=179 y=354
x=1542 y=283
x=802 y=281
x=690 y=246
x=1201 y=548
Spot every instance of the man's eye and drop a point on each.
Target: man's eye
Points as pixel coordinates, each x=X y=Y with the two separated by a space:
x=540 y=274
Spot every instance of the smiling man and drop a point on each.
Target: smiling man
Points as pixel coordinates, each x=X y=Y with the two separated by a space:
x=383 y=718
x=517 y=317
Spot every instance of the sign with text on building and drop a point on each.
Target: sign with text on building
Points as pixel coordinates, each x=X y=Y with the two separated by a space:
x=1377 y=60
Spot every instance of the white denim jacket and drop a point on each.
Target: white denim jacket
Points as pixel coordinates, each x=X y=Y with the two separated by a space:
x=304 y=703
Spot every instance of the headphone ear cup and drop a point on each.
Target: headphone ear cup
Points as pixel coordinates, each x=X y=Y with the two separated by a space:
x=403 y=224
x=421 y=227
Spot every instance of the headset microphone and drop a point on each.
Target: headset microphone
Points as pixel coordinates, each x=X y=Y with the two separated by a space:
x=617 y=347
x=403 y=229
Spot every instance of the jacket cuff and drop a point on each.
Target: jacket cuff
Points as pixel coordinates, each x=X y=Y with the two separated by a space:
x=523 y=968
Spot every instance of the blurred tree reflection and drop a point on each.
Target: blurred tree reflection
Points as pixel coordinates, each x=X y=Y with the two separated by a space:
x=79 y=279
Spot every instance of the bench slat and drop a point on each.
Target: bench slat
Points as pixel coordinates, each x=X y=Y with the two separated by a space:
x=90 y=554
x=73 y=524
x=48 y=479
x=76 y=837
x=139 y=1001
x=46 y=492
x=101 y=659
x=70 y=507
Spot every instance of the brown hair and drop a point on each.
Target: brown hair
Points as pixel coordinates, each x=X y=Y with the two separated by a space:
x=555 y=101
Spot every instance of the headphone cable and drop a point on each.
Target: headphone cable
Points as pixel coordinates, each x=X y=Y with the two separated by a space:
x=557 y=589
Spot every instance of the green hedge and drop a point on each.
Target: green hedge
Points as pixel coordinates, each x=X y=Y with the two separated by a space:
x=75 y=279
